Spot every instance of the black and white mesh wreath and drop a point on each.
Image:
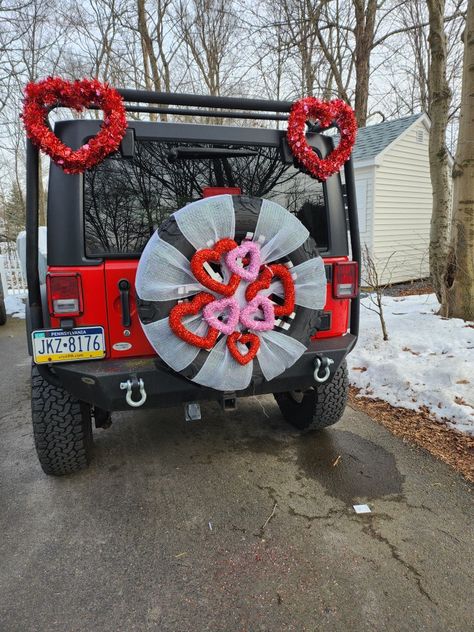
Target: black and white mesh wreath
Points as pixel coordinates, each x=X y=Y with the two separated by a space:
x=235 y=282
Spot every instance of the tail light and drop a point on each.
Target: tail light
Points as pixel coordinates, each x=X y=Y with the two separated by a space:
x=64 y=294
x=345 y=279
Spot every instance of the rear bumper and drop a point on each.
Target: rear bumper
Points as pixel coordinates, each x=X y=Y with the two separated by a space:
x=98 y=382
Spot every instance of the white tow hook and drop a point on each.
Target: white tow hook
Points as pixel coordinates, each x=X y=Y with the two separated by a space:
x=323 y=364
x=128 y=385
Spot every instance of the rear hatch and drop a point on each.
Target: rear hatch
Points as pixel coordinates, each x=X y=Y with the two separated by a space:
x=118 y=205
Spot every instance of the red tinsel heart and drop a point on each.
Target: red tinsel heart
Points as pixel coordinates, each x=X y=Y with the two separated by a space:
x=192 y=307
x=43 y=95
x=325 y=112
x=263 y=282
x=214 y=255
x=251 y=339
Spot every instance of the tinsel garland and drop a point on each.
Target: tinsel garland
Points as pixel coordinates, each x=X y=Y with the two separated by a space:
x=325 y=113
x=42 y=96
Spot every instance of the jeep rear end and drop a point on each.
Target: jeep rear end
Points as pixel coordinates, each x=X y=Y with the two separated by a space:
x=99 y=224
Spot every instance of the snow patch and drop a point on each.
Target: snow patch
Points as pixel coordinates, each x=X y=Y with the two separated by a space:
x=15 y=306
x=428 y=360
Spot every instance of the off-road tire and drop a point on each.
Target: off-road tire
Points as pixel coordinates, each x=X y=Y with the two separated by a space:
x=320 y=407
x=62 y=428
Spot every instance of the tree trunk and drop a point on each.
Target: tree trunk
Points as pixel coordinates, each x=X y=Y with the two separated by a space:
x=438 y=152
x=459 y=278
x=364 y=39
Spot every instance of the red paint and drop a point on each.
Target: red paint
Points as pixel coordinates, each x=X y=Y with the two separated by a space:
x=211 y=191
x=101 y=306
x=94 y=309
x=114 y=272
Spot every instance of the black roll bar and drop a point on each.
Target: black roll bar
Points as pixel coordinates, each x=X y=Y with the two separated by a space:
x=32 y=275
x=355 y=240
x=203 y=101
x=204 y=113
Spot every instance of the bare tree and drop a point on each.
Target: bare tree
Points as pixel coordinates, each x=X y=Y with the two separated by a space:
x=459 y=278
x=209 y=31
x=440 y=99
x=372 y=277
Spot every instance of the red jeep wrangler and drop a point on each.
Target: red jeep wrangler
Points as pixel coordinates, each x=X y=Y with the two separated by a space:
x=119 y=292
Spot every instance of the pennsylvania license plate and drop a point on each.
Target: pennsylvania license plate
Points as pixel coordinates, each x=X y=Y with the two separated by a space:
x=59 y=345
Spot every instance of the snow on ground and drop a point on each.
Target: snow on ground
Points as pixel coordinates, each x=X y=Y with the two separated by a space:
x=15 y=306
x=427 y=361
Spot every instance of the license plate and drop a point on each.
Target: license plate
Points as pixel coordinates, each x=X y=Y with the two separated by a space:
x=59 y=345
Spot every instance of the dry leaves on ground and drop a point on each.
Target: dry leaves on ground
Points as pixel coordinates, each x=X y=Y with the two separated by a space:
x=420 y=428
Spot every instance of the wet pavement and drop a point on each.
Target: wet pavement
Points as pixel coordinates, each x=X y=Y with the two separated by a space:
x=234 y=524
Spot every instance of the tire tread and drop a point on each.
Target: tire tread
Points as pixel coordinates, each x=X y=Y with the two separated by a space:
x=62 y=428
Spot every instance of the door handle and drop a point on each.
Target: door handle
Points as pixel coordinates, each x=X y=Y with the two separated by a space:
x=124 y=289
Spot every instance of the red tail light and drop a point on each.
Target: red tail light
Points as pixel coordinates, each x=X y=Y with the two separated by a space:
x=64 y=294
x=345 y=279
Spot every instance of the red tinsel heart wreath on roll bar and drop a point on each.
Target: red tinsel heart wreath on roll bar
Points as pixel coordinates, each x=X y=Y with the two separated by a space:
x=43 y=95
x=325 y=113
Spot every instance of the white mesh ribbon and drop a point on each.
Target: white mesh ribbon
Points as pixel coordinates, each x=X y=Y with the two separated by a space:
x=164 y=273
x=222 y=372
x=277 y=352
x=206 y=221
x=309 y=278
x=177 y=353
x=278 y=231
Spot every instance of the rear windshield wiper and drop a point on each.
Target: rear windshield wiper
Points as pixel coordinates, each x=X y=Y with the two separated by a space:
x=178 y=153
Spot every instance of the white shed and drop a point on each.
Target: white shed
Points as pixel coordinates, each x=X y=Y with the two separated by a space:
x=394 y=195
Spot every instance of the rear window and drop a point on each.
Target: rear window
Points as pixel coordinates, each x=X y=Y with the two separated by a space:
x=125 y=200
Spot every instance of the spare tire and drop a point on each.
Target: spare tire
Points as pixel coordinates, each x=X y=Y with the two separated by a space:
x=166 y=278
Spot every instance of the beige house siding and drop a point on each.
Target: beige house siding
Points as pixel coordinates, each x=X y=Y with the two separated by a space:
x=402 y=203
x=364 y=179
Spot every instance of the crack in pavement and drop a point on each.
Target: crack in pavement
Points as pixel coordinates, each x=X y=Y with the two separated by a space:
x=370 y=530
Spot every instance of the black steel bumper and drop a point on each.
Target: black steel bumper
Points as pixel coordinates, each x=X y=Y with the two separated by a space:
x=98 y=382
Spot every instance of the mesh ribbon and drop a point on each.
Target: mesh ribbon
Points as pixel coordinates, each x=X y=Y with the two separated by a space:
x=164 y=273
x=279 y=231
x=206 y=221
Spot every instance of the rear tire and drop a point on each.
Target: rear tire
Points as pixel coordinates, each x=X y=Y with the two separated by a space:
x=318 y=408
x=62 y=428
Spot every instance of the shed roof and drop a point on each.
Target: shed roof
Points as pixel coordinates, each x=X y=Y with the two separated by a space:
x=372 y=140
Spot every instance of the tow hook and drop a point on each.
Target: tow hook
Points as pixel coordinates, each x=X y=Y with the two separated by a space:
x=321 y=368
x=129 y=386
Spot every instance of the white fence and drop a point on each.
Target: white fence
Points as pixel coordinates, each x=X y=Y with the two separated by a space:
x=13 y=281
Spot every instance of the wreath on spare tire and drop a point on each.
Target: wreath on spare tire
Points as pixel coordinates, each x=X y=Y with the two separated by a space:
x=230 y=290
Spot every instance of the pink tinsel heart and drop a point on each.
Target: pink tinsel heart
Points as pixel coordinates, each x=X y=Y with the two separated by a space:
x=246 y=249
x=252 y=308
x=213 y=310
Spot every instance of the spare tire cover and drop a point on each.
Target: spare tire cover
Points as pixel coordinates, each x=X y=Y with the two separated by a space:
x=165 y=279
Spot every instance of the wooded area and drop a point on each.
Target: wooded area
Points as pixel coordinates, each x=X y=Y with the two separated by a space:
x=388 y=59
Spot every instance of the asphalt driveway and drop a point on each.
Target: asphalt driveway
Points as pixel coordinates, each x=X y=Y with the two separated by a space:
x=234 y=524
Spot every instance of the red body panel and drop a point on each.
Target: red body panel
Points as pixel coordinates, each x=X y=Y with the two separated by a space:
x=94 y=308
x=139 y=346
x=102 y=306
